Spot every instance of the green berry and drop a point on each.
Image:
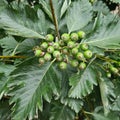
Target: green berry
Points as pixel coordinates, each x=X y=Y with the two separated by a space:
x=49 y=37
x=74 y=36
x=81 y=34
x=71 y=44
x=50 y=49
x=63 y=65
x=65 y=51
x=88 y=54
x=44 y=45
x=113 y=69
x=82 y=66
x=56 y=45
x=56 y=54
x=74 y=51
x=74 y=63
x=61 y=43
x=38 y=52
x=108 y=74
x=60 y=58
x=41 y=61
x=65 y=37
x=84 y=46
x=47 y=57
x=80 y=56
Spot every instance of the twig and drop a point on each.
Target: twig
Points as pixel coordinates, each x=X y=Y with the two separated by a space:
x=54 y=19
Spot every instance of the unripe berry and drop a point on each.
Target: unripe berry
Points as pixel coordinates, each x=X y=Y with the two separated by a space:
x=108 y=74
x=65 y=37
x=63 y=65
x=60 y=58
x=74 y=51
x=81 y=34
x=56 y=45
x=49 y=37
x=84 y=46
x=74 y=36
x=38 y=52
x=41 y=61
x=113 y=69
x=74 y=63
x=50 y=49
x=44 y=45
x=56 y=54
x=61 y=43
x=65 y=51
x=71 y=44
x=82 y=66
x=88 y=54
x=80 y=56
x=47 y=57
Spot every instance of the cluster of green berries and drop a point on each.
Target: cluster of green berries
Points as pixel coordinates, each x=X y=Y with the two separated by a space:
x=68 y=50
x=111 y=69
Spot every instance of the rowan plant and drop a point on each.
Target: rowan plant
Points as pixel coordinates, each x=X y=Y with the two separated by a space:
x=59 y=60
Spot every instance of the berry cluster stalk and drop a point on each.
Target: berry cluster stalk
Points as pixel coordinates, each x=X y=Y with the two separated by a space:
x=54 y=19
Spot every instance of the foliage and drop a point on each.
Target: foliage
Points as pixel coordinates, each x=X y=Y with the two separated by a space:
x=29 y=90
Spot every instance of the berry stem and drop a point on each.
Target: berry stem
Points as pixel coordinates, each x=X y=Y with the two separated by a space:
x=54 y=19
x=106 y=59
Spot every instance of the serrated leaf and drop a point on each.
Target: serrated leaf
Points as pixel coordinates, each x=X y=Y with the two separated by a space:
x=46 y=8
x=37 y=83
x=74 y=104
x=116 y=104
x=82 y=84
x=8 y=44
x=79 y=14
x=14 y=28
x=101 y=7
x=107 y=36
x=106 y=91
x=65 y=6
x=5 y=70
x=61 y=112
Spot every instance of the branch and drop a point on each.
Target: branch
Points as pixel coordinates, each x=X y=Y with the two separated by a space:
x=54 y=19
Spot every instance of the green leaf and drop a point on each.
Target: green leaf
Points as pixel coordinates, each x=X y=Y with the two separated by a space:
x=37 y=82
x=107 y=36
x=115 y=1
x=3 y=82
x=5 y=70
x=14 y=28
x=82 y=84
x=107 y=92
x=116 y=104
x=2 y=5
x=99 y=117
x=74 y=104
x=5 y=112
x=61 y=112
x=65 y=6
x=101 y=7
x=46 y=8
x=8 y=44
x=79 y=14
